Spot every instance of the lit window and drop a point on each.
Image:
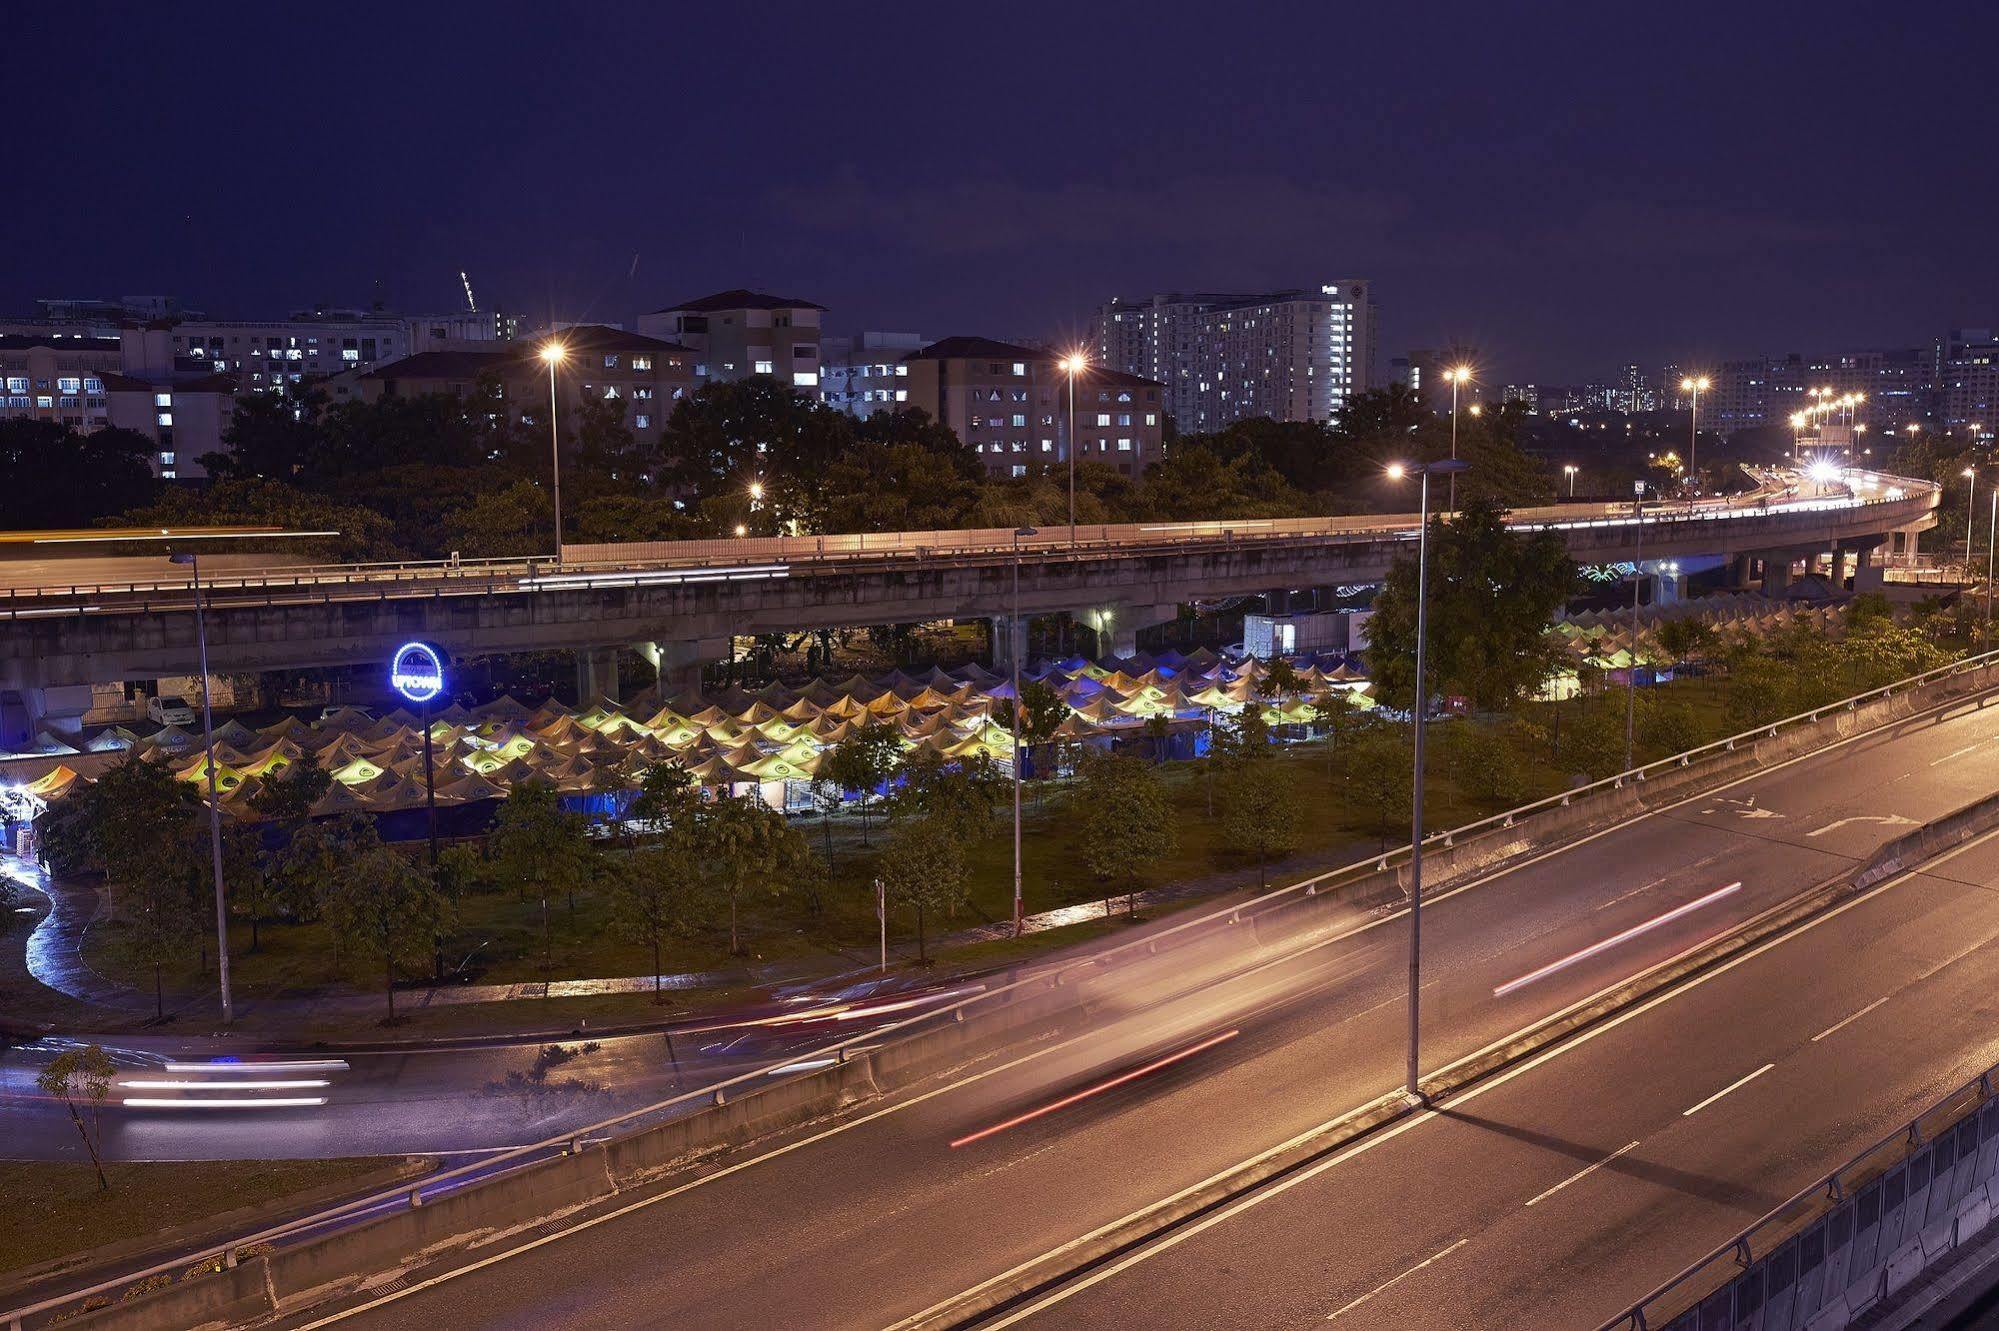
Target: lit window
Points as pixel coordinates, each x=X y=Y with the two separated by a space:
x=351 y=355
x=805 y=379
x=44 y=401
x=1019 y=421
x=642 y=422
x=1103 y=419
x=902 y=369
x=163 y=399
x=902 y=395
x=765 y=367
x=166 y=417
x=69 y=385
x=610 y=392
x=610 y=360
x=641 y=362
x=1124 y=445
x=1151 y=419
x=17 y=385
x=167 y=459
x=1019 y=368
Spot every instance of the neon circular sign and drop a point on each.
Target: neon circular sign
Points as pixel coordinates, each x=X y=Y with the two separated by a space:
x=417 y=671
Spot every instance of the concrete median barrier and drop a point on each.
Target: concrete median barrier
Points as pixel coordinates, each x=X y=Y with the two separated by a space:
x=223 y=1298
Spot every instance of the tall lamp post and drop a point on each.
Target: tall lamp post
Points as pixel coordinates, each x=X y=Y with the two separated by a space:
x=1991 y=542
x=1457 y=374
x=1970 y=512
x=1014 y=647
x=1073 y=365
x=1569 y=469
x=1447 y=467
x=1631 y=671
x=1696 y=386
x=193 y=563
x=554 y=354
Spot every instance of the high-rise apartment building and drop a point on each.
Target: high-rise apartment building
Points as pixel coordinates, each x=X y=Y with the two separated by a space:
x=1296 y=355
x=1966 y=376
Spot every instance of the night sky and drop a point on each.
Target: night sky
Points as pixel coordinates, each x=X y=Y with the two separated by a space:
x=1566 y=187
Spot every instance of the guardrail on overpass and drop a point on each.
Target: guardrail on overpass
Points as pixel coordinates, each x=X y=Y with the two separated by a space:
x=626 y=1148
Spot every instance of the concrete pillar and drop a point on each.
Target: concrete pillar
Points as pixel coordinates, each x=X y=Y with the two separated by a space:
x=1868 y=574
x=596 y=674
x=1009 y=638
x=680 y=663
x=1668 y=588
x=1836 y=570
x=1909 y=546
x=1739 y=571
x=1776 y=573
x=1116 y=626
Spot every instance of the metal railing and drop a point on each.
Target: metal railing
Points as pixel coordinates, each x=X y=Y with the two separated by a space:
x=434 y=578
x=1032 y=978
x=1797 y=1212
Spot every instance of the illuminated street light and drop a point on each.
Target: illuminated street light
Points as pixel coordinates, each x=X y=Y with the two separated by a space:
x=1456 y=375
x=1073 y=365
x=741 y=530
x=756 y=490
x=1396 y=471
x=1569 y=469
x=1970 y=512
x=553 y=354
x=1696 y=386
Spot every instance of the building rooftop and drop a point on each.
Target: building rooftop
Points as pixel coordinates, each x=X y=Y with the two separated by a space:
x=986 y=348
x=25 y=341
x=739 y=299
x=583 y=339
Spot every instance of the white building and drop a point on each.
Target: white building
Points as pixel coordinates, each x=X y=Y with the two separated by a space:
x=1290 y=355
x=866 y=373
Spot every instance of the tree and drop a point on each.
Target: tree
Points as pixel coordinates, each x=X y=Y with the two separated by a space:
x=364 y=533
x=385 y=906
x=651 y=891
x=81 y=1074
x=1686 y=639
x=1158 y=731
x=745 y=843
x=542 y=849
x=1377 y=774
x=964 y=793
x=667 y=800
x=1123 y=822
x=1491 y=593
x=52 y=476
x=861 y=762
x=730 y=433
x=310 y=865
x=1280 y=681
x=1260 y=812
x=1482 y=764
x=1333 y=711
x=923 y=866
x=513 y=521
x=1035 y=719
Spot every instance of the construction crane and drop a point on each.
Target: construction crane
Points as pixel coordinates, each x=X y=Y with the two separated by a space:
x=466 y=282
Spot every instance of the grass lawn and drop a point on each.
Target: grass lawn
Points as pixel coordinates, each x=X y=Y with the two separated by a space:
x=56 y=1209
x=501 y=932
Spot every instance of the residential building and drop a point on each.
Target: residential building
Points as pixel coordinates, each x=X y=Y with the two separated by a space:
x=1966 y=377
x=1424 y=372
x=601 y=364
x=1295 y=355
x=1010 y=405
x=866 y=373
x=739 y=333
x=127 y=381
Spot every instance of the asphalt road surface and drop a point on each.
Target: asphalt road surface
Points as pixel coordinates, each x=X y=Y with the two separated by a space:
x=867 y=1220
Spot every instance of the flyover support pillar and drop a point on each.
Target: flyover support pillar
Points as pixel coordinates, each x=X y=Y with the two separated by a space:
x=1009 y=639
x=1776 y=572
x=596 y=674
x=680 y=663
x=1116 y=626
x=1868 y=575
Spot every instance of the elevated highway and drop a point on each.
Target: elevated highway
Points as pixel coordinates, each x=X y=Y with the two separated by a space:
x=65 y=622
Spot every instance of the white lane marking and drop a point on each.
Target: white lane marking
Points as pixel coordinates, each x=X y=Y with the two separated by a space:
x=1388 y=1134
x=1953 y=959
x=1889 y=819
x=1844 y=1022
x=1955 y=753
x=1434 y=1257
x=1367 y=1144
x=1732 y=1086
x=1582 y=1173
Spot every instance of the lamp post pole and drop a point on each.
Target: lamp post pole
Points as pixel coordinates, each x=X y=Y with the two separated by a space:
x=214 y=803
x=1014 y=646
x=555 y=461
x=1970 y=513
x=1413 y=1082
x=1451 y=504
x=1074 y=369
x=1991 y=541
x=1631 y=671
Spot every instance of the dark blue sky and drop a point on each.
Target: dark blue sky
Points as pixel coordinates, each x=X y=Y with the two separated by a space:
x=1565 y=186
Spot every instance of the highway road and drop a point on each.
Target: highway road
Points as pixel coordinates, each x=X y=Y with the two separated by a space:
x=445 y=1099
x=872 y=1218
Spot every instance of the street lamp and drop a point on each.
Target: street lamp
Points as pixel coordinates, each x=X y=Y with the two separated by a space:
x=1637 y=582
x=1447 y=467
x=1457 y=374
x=193 y=563
x=1073 y=365
x=1569 y=469
x=1970 y=512
x=1696 y=386
x=1991 y=541
x=553 y=354
x=1015 y=646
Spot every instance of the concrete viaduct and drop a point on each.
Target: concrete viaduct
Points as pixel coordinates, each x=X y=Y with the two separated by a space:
x=680 y=602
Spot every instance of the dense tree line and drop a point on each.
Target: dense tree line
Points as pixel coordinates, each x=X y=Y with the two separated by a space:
x=427 y=475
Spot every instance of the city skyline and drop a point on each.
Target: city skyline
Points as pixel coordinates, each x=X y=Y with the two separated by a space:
x=1654 y=223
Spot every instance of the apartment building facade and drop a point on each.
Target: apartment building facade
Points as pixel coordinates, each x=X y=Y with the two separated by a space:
x=740 y=333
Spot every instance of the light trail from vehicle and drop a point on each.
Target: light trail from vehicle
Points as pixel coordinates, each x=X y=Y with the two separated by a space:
x=1084 y=1094
x=307 y=1084
x=1614 y=940
x=168 y=1102
x=218 y=1065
